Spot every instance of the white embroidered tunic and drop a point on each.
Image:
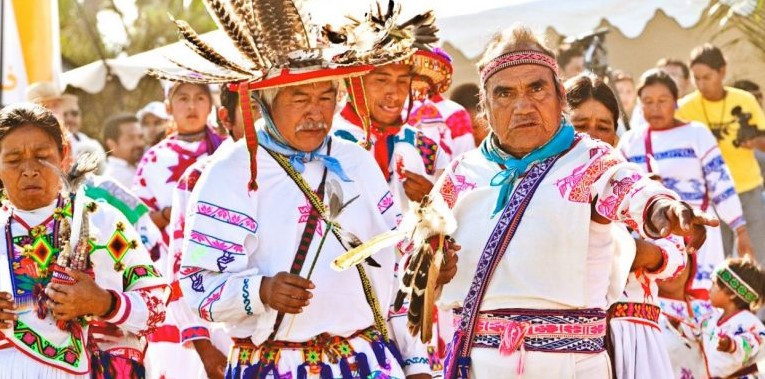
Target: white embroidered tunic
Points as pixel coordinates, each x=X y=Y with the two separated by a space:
x=234 y=237
x=688 y=160
x=120 y=263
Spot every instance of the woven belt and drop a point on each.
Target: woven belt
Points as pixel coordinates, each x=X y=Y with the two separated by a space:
x=555 y=331
x=165 y=333
x=251 y=359
x=639 y=312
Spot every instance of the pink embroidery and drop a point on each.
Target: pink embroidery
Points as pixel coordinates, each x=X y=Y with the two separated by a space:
x=227 y=216
x=620 y=188
x=602 y=159
x=452 y=189
x=385 y=202
x=305 y=212
x=205 y=310
x=210 y=241
x=459 y=123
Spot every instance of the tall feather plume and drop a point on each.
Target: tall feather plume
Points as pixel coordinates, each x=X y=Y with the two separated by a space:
x=244 y=10
x=429 y=224
x=209 y=75
x=85 y=164
x=281 y=27
x=192 y=40
x=232 y=26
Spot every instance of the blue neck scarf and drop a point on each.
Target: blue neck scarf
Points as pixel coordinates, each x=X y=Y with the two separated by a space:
x=514 y=167
x=270 y=138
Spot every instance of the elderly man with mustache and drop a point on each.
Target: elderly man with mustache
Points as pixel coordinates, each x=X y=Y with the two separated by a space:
x=532 y=282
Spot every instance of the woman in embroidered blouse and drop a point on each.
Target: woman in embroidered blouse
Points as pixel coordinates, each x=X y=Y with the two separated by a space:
x=44 y=324
x=638 y=350
x=687 y=158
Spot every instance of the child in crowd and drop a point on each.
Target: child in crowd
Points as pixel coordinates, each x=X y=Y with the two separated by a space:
x=732 y=339
x=682 y=309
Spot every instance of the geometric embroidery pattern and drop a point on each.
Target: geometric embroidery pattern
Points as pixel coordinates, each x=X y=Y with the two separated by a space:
x=69 y=354
x=135 y=273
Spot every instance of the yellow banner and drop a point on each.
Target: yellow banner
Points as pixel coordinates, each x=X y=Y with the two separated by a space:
x=35 y=22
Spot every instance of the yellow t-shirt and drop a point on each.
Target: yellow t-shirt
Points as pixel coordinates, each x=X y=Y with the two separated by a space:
x=719 y=117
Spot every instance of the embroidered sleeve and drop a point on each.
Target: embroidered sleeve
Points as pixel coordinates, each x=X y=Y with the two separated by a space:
x=674 y=258
x=718 y=181
x=746 y=344
x=140 y=305
x=623 y=193
x=220 y=236
x=192 y=327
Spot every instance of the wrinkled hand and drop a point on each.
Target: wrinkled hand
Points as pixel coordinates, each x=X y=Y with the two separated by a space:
x=85 y=297
x=677 y=217
x=449 y=266
x=212 y=358
x=285 y=292
x=416 y=186
x=744 y=244
x=105 y=332
x=7 y=308
x=724 y=343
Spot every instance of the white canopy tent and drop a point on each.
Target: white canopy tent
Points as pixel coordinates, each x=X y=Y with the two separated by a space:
x=467 y=27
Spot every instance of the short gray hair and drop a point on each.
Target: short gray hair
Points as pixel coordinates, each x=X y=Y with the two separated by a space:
x=268 y=95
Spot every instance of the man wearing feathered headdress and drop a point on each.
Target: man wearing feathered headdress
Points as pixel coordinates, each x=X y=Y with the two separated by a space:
x=531 y=288
x=271 y=212
x=376 y=112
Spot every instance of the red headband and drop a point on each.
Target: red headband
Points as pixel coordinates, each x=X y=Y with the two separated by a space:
x=516 y=58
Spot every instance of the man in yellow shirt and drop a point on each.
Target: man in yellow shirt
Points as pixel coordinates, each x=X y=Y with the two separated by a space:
x=737 y=121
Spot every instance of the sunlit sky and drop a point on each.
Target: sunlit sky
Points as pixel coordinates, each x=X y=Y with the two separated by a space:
x=323 y=11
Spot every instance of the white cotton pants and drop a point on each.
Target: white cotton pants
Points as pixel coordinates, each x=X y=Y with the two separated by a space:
x=166 y=360
x=639 y=351
x=16 y=365
x=489 y=364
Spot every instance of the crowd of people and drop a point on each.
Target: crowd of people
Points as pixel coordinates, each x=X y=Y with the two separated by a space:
x=603 y=227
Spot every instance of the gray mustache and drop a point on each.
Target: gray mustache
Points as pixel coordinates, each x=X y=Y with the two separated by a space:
x=311 y=126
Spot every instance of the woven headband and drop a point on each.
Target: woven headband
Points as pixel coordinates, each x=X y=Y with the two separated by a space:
x=737 y=285
x=517 y=58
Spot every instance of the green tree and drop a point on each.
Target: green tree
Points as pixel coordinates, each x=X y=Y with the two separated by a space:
x=746 y=16
x=81 y=44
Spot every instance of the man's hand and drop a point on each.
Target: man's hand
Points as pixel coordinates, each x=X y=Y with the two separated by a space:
x=449 y=266
x=744 y=244
x=419 y=376
x=7 y=306
x=677 y=217
x=416 y=186
x=285 y=292
x=85 y=297
x=213 y=360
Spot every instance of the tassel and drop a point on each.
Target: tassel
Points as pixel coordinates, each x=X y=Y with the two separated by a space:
x=106 y=365
x=301 y=372
x=250 y=135
x=252 y=371
x=326 y=371
x=229 y=372
x=379 y=349
x=512 y=337
x=345 y=369
x=362 y=366
x=237 y=371
x=463 y=367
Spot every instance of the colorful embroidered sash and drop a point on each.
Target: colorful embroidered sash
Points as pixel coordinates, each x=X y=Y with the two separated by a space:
x=318 y=205
x=558 y=331
x=458 y=356
x=248 y=360
x=643 y=312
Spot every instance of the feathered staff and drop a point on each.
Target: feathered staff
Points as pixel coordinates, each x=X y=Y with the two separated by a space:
x=426 y=228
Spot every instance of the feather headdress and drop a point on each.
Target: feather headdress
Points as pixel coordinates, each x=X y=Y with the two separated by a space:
x=277 y=46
